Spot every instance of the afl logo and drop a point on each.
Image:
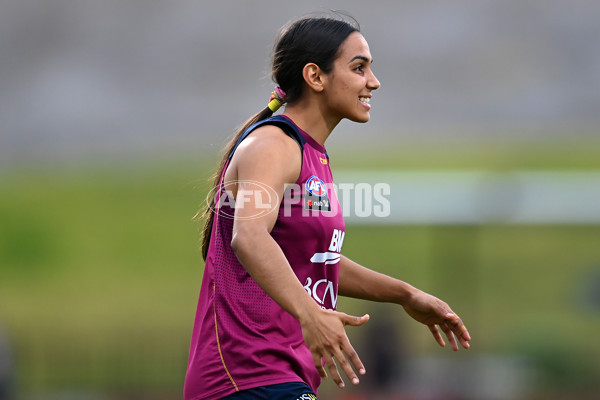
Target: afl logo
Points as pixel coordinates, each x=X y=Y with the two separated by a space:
x=316 y=187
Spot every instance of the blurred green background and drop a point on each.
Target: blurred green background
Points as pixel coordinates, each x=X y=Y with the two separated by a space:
x=101 y=270
x=112 y=115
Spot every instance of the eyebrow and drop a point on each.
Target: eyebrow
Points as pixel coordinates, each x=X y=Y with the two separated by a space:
x=365 y=59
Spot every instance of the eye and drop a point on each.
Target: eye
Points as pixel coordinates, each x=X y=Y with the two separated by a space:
x=359 y=68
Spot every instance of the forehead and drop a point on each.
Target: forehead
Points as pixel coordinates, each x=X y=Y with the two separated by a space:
x=354 y=45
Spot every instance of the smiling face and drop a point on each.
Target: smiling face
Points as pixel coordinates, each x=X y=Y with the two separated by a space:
x=350 y=83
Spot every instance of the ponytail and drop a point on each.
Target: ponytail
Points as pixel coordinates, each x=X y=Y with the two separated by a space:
x=278 y=98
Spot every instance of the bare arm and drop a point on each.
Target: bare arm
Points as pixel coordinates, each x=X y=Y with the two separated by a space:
x=273 y=159
x=362 y=283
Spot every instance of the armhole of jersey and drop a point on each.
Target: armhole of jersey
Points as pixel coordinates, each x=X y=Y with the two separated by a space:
x=280 y=122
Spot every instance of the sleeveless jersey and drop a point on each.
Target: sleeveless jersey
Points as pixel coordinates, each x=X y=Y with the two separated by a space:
x=242 y=338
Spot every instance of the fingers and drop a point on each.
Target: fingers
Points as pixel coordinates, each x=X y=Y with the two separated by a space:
x=459 y=330
x=355 y=321
x=335 y=373
x=464 y=342
x=436 y=335
x=319 y=366
x=347 y=360
x=351 y=362
x=450 y=336
x=454 y=329
x=340 y=356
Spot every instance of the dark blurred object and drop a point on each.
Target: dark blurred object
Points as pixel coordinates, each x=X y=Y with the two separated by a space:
x=383 y=353
x=589 y=290
x=6 y=368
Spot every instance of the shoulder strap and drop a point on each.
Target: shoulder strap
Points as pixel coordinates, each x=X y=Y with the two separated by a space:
x=281 y=122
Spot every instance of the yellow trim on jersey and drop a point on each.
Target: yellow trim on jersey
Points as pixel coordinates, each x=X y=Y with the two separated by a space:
x=220 y=352
x=216 y=225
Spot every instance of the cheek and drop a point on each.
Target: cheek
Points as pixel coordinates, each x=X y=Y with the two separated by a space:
x=340 y=88
x=346 y=92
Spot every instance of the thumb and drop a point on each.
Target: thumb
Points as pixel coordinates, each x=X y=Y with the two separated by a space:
x=355 y=321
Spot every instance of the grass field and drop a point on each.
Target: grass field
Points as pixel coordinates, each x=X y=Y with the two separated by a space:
x=100 y=271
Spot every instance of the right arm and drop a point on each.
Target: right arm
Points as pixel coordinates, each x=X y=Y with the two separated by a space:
x=273 y=159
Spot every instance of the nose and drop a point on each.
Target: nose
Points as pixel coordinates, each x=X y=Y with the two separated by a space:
x=373 y=82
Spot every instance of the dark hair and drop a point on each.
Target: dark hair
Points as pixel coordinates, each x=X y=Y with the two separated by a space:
x=310 y=39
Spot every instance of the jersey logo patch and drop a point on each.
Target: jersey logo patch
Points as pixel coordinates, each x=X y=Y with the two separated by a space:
x=315 y=186
x=315 y=195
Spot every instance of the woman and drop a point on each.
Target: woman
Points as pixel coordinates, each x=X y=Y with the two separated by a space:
x=266 y=325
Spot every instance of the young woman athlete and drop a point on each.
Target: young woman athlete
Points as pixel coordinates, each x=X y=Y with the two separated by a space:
x=266 y=325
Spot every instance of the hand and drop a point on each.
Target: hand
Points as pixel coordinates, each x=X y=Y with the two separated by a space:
x=326 y=338
x=433 y=312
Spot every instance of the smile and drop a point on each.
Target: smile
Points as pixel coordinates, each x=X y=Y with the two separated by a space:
x=364 y=99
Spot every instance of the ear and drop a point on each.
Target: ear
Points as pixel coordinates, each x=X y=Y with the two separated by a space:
x=314 y=77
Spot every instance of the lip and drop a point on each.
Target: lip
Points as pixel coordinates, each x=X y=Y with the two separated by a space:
x=366 y=105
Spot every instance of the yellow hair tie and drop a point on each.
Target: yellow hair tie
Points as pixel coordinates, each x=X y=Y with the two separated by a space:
x=278 y=98
x=274 y=105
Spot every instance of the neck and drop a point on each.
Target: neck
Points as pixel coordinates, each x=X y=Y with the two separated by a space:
x=309 y=117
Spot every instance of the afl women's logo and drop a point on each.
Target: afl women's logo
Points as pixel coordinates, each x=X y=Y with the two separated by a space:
x=316 y=187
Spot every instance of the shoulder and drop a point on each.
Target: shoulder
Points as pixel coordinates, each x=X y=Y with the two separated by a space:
x=269 y=147
x=269 y=139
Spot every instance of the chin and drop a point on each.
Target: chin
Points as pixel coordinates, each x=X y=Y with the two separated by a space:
x=361 y=119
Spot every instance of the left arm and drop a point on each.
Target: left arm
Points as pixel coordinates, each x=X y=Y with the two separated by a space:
x=362 y=283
